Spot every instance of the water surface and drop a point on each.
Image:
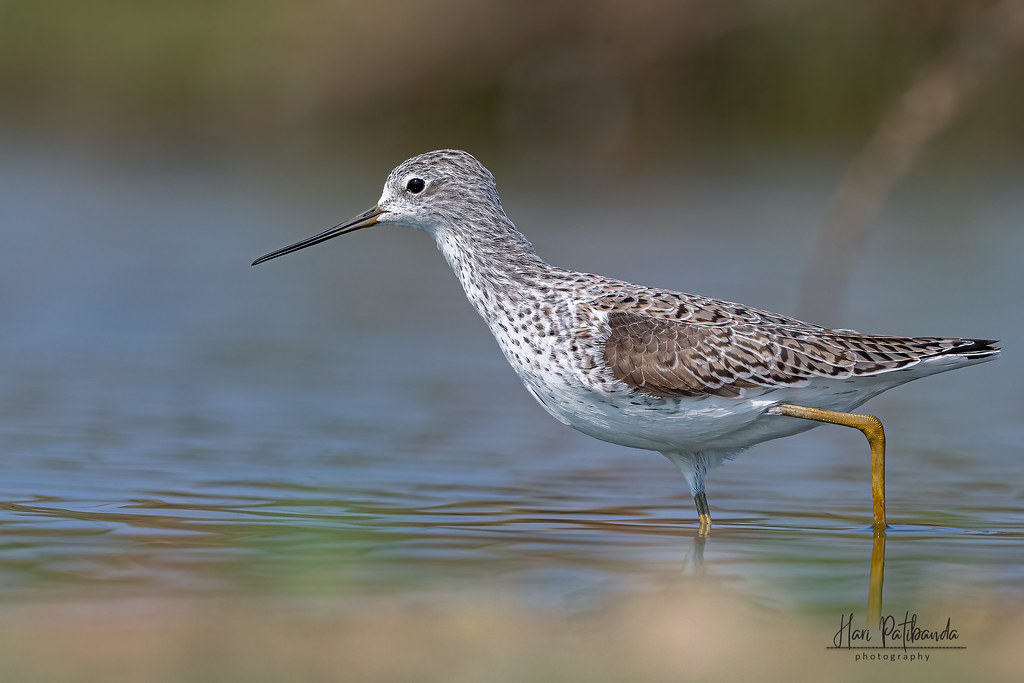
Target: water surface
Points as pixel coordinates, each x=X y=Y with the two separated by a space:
x=339 y=423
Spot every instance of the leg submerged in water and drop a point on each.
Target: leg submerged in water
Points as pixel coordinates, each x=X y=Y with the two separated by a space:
x=694 y=467
x=703 y=511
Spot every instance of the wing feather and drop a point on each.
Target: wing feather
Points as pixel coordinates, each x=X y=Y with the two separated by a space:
x=717 y=353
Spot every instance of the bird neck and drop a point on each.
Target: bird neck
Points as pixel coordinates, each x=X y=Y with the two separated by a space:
x=493 y=265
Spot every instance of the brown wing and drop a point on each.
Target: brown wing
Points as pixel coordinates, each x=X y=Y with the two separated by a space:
x=666 y=357
x=677 y=358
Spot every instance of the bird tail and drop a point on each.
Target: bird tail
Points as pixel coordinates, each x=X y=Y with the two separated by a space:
x=974 y=349
x=880 y=354
x=958 y=353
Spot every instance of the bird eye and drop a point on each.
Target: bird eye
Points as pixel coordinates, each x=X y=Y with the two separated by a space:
x=416 y=185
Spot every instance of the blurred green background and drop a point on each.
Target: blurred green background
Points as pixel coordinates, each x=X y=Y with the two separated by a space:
x=601 y=81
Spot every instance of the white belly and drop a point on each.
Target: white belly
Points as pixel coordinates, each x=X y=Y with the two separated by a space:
x=696 y=424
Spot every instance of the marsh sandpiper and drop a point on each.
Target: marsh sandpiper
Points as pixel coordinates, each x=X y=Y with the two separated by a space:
x=695 y=378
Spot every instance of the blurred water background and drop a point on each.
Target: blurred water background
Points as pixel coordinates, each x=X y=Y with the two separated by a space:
x=334 y=436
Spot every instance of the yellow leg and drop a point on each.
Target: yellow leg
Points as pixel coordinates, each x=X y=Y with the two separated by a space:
x=703 y=513
x=876 y=577
x=872 y=428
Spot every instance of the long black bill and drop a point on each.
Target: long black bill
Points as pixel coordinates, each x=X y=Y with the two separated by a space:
x=363 y=220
